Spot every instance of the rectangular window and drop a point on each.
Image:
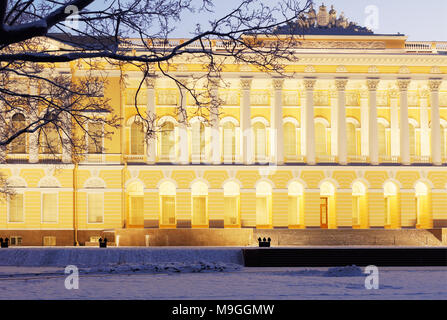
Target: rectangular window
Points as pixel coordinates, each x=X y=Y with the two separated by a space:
x=262 y=212
x=16 y=208
x=95 y=138
x=199 y=211
x=16 y=241
x=49 y=241
x=168 y=210
x=294 y=210
x=231 y=217
x=136 y=217
x=49 y=207
x=95 y=207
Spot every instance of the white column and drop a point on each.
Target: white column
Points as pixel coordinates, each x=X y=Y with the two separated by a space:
x=342 y=137
x=183 y=129
x=215 y=132
x=246 y=149
x=435 y=122
x=33 y=114
x=404 y=125
x=373 y=125
x=364 y=124
x=310 y=124
x=277 y=136
x=150 y=114
x=394 y=106
x=334 y=122
x=425 y=129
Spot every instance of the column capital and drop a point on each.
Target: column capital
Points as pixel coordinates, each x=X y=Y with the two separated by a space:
x=372 y=84
x=309 y=83
x=403 y=84
x=278 y=84
x=424 y=94
x=394 y=93
x=341 y=83
x=364 y=94
x=246 y=84
x=150 y=82
x=434 y=84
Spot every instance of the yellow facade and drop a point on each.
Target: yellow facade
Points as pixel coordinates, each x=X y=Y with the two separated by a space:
x=136 y=185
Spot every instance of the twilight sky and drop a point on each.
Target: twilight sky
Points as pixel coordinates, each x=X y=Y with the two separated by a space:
x=419 y=20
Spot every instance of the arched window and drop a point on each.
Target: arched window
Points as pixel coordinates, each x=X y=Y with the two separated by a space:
x=167 y=141
x=199 y=193
x=229 y=142
x=296 y=205
x=137 y=138
x=198 y=141
x=231 y=204
x=290 y=141
x=18 y=145
x=167 y=192
x=260 y=135
x=320 y=139
x=352 y=139
x=263 y=205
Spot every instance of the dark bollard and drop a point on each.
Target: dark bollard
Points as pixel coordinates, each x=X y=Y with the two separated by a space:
x=103 y=243
x=264 y=243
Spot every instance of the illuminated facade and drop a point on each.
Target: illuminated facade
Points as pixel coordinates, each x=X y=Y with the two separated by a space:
x=361 y=132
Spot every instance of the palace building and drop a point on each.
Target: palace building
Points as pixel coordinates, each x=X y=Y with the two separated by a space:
x=355 y=138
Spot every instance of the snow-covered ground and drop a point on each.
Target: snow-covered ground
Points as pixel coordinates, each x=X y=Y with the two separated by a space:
x=226 y=284
x=197 y=273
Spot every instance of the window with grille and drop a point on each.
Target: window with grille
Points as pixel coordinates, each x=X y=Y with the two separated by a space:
x=18 y=145
x=167 y=140
x=95 y=138
x=137 y=138
x=16 y=208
